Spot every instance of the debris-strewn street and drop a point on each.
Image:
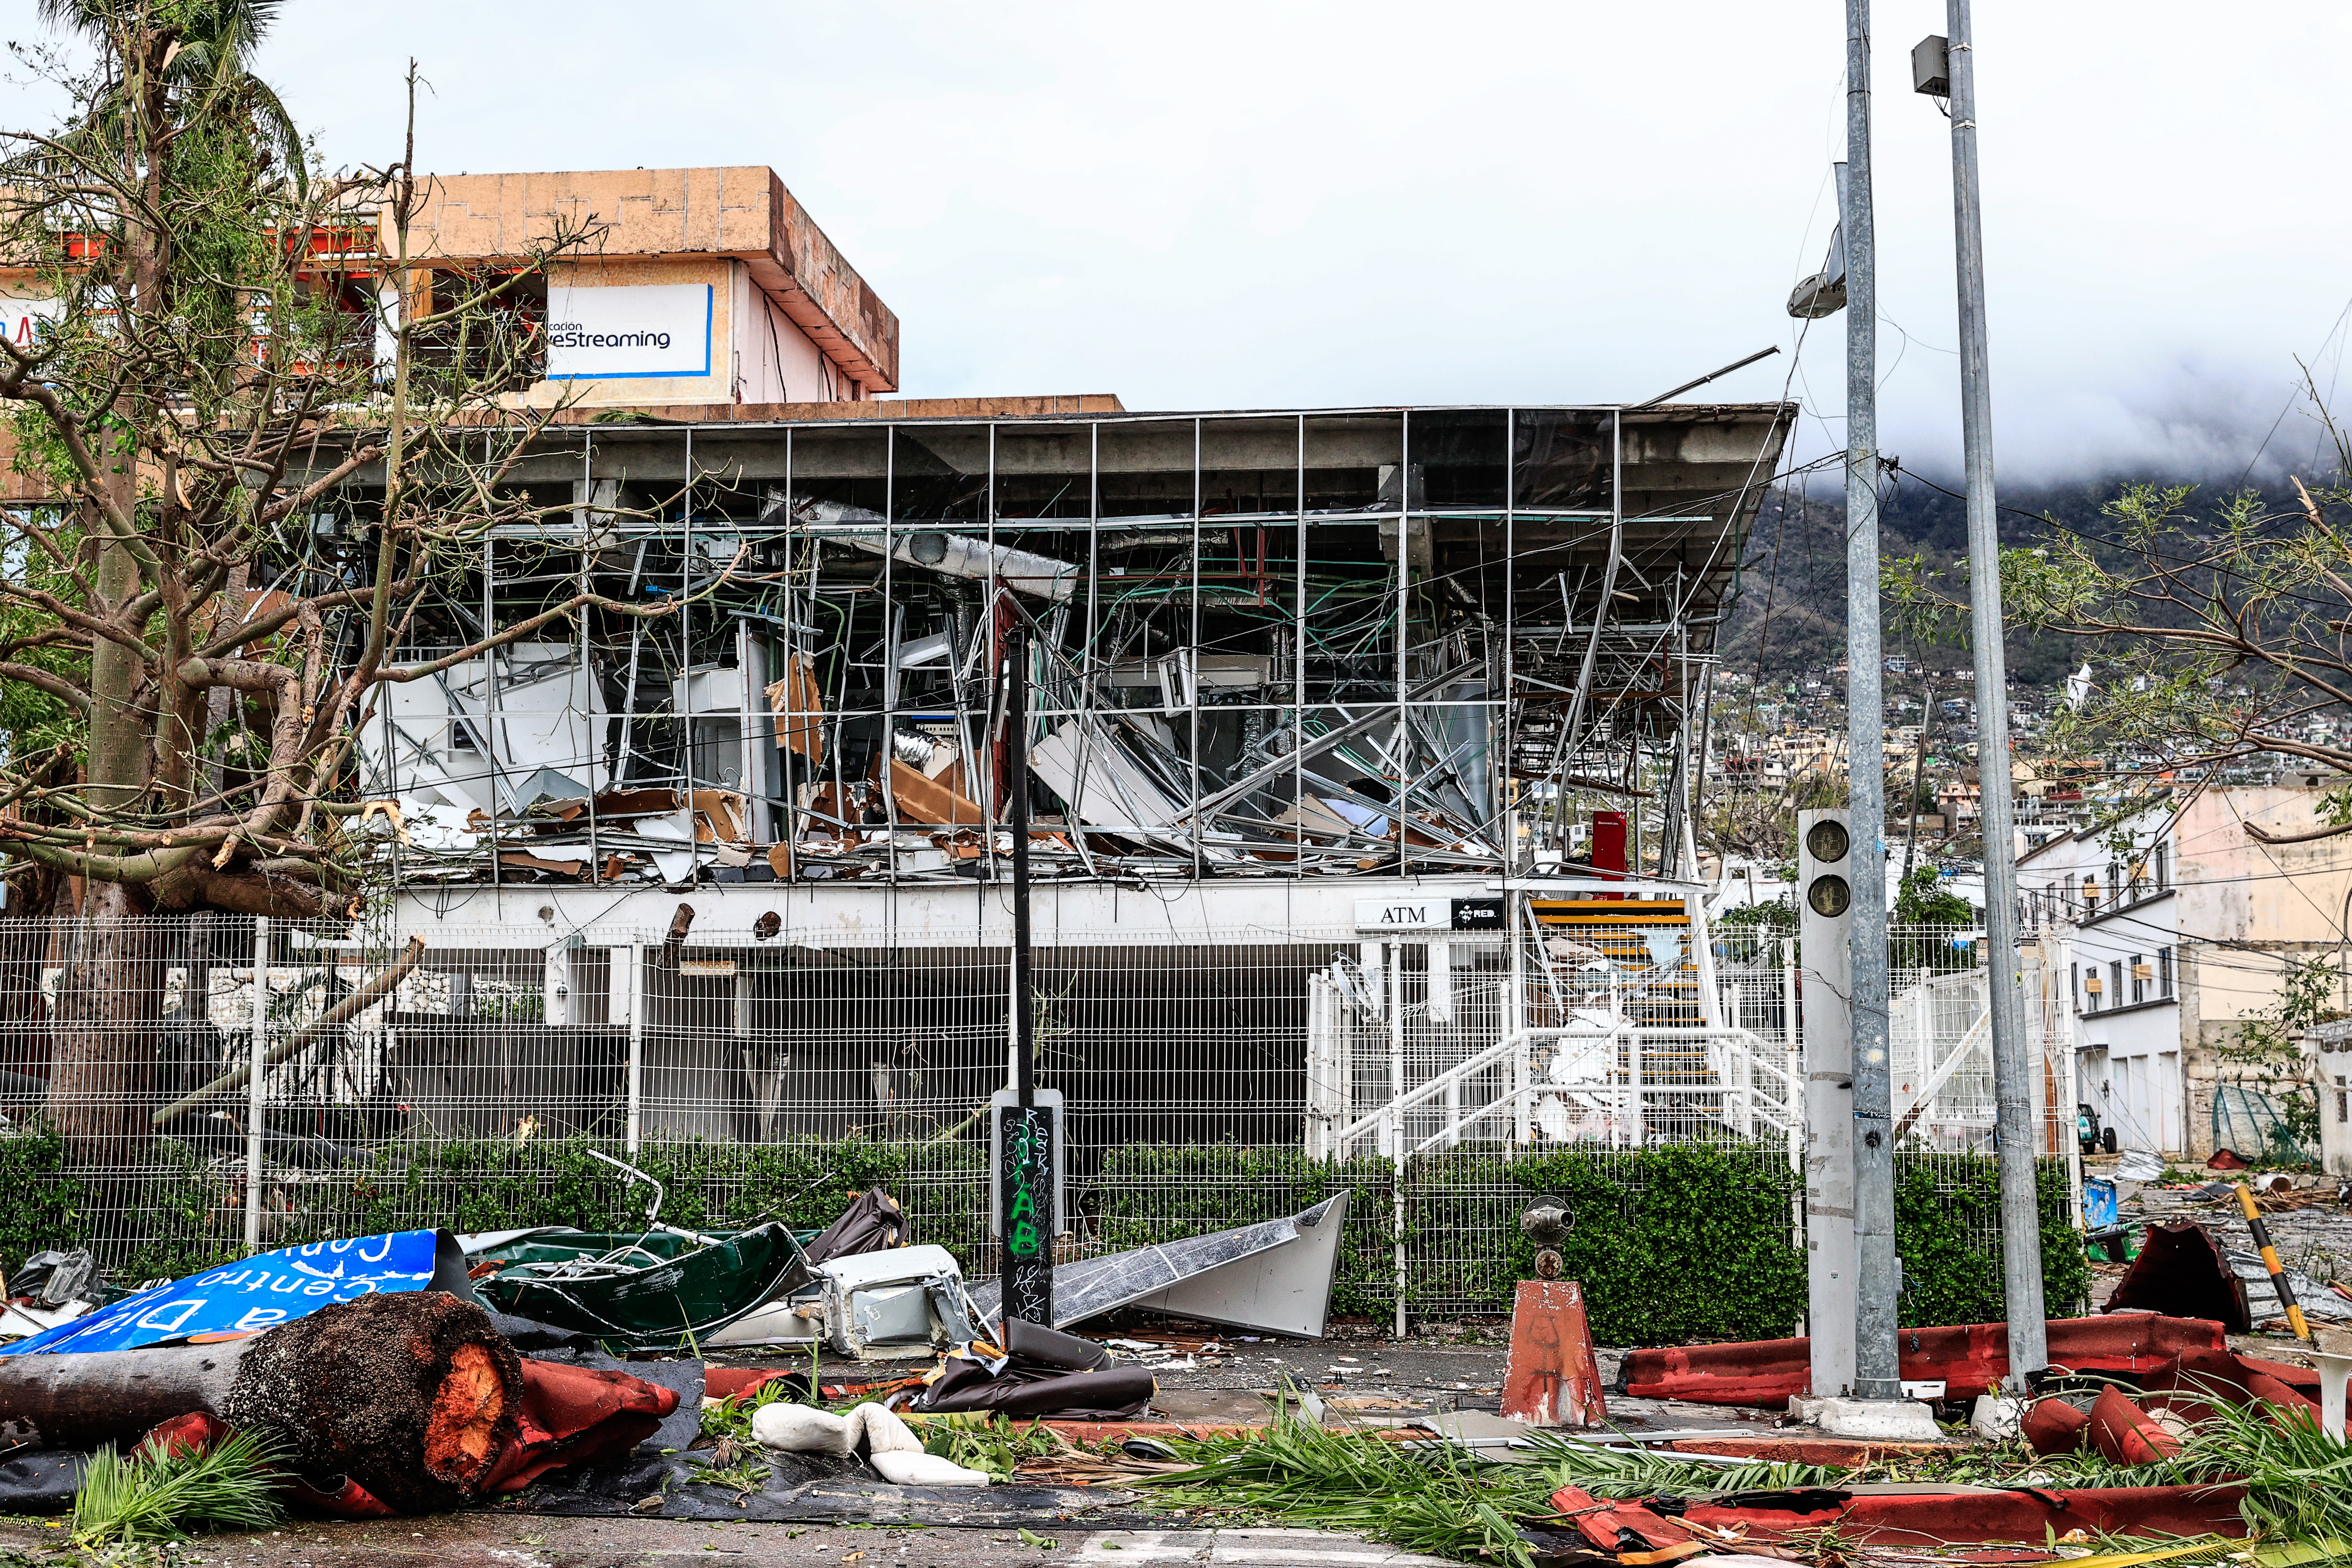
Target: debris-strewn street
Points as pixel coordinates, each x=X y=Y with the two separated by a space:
x=886 y=1412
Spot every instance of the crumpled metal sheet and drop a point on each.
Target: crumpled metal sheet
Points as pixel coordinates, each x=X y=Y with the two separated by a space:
x=2181 y=1272
x=1287 y=1296
x=2261 y=1294
x=2127 y=1432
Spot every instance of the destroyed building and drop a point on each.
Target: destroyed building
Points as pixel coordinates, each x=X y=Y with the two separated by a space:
x=1360 y=748
x=1319 y=706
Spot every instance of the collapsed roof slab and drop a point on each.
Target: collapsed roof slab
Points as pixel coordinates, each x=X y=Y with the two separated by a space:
x=1680 y=465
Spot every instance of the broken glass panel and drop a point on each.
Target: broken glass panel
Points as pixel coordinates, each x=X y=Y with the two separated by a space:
x=1460 y=457
x=1563 y=459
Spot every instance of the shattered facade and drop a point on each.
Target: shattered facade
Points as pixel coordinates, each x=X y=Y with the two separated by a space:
x=1299 y=647
x=1312 y=697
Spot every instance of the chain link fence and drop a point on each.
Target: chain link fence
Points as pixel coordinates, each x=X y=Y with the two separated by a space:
x=462 y=1079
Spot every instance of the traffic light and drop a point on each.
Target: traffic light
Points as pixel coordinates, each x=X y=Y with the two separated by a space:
x=1824 y=932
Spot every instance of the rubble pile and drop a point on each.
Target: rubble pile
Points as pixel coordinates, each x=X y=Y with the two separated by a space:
x=373 y=1377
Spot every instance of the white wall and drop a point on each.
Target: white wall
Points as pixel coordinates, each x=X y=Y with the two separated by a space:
x=775 y=361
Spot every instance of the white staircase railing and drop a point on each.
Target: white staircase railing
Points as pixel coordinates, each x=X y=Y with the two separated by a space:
x=1604 y=1072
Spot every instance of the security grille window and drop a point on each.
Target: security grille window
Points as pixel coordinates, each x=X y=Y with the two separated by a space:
x=2140 y=978
x=2164 y=972
x=2163 y=866
x=2074 y=985
x=2116 y=980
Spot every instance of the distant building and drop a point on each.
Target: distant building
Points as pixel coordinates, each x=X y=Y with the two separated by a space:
x=2160 y=955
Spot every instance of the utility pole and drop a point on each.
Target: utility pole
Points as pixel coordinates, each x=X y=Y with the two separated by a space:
x=1876 y=1367
x=2015 y=1133
x=1025 y=1137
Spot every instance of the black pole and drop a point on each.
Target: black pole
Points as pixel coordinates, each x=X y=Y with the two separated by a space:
x=1016 y=737
x=1024 y=1129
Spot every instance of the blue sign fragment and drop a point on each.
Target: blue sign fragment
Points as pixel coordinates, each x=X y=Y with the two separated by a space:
x=263 y=1292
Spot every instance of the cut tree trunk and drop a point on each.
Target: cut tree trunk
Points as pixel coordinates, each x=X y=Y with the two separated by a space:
x=107 y=1029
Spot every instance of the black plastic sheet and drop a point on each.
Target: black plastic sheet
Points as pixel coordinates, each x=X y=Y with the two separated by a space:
x=40 y=1482
x=874 y=1223
x=1044 y=1373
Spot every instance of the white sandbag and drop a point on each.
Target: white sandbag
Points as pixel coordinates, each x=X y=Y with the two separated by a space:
x=804 y=1429
x=921 y=1469
x=892 y=1447
x=1996 y=1416
x=882 y=1432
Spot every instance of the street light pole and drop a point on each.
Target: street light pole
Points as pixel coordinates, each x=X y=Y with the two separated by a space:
x=1877 y=1371
x=2015 y=1133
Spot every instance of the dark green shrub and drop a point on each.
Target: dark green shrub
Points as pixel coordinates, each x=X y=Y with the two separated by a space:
x=40 y=1206
x=1686 y=1241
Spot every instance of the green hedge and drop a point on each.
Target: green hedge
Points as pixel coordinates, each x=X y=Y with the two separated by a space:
x=40 y=1206
x=1942 y=1204
x=1687 y=1241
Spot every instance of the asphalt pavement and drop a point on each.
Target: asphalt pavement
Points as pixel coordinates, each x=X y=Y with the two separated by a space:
x=505 y=1540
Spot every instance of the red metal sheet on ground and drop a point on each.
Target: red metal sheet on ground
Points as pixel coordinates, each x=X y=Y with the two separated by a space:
x=1551 y=1378
x=2127 y=1434
x=2054 y=1426
x=1969 y=1358
x=2027 y=1514
x=1624 y=1527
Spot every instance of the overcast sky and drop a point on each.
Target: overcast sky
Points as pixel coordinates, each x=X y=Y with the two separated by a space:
x=1249 y=204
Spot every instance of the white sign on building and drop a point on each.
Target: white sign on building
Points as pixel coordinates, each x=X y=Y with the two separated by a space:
x=1405 y=914
x=599 y=333
x=21 y=321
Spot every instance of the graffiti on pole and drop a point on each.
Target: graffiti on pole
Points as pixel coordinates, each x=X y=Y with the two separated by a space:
x=1025 y=1180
